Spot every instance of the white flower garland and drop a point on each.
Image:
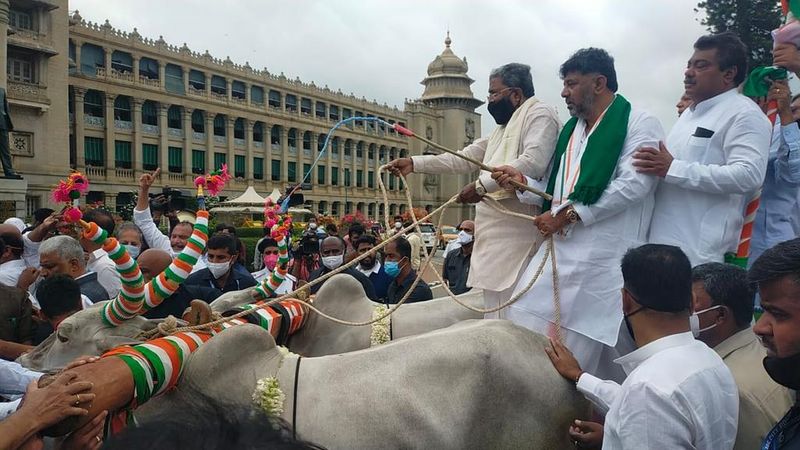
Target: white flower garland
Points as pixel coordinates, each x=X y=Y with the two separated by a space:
x=380 y=329
x=269 y=397
x=285 y=351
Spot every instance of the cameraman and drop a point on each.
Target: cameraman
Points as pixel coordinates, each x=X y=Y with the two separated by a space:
x=306 y=256
x=180 y=233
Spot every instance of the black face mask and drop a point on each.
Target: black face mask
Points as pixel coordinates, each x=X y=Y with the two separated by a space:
x=628 y=322
x=501 y=110
x=785 y=371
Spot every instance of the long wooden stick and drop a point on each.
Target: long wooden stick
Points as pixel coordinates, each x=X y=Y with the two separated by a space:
x=515 y=183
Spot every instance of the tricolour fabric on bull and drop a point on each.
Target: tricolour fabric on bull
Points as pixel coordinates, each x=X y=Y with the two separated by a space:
x=271 y=283
x=280 y=319
x=130 y=298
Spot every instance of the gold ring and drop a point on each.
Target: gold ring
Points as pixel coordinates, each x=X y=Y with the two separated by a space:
x=98 y=439
x=77 y=399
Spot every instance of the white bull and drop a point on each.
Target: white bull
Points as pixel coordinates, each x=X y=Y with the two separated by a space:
x=477 y=384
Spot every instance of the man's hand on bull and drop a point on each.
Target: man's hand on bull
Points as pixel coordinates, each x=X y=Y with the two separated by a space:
x=87 y=437
x=401 y=166
x=563 y=361
x=586 y=434
x=786 y=56
x=503 y=175
x=469 y=195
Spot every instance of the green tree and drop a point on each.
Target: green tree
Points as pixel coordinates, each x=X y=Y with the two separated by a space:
x=752 y=20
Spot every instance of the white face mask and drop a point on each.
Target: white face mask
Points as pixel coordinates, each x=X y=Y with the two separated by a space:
x=694 y=321
x=332 y=262
x=312 y=225
x=398 y=225
x=464 y=238
x=219 y=269
x=132 y=250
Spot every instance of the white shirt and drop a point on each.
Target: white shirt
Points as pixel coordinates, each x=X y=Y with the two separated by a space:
x=678 y=394
x=14 y=379
x=367 y=272
x=106 y=270
x=700 y=203
x=588 y=255
x=152 y=235
x=286 y=286
x=30 y=254
x=10 y=271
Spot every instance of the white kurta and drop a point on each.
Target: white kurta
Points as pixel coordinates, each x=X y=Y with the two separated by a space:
x=700 y=203
x=588 y=256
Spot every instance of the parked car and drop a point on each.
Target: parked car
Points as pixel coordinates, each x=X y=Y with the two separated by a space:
x=446 y=234
x=429 y=238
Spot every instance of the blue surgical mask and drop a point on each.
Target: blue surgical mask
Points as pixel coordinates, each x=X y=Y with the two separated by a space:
x=392 y=268
x=132 y=250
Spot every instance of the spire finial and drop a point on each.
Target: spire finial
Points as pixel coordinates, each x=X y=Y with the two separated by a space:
x=447 y=40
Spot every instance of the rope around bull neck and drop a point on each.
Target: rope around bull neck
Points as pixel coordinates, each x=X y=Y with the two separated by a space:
x=494 y=204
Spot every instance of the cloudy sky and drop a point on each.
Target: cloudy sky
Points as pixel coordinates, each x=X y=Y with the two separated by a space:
x=381 y=49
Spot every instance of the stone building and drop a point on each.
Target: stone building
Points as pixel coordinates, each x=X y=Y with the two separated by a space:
x=114 y=104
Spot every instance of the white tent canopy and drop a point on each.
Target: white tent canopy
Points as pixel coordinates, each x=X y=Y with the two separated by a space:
x=249 y=197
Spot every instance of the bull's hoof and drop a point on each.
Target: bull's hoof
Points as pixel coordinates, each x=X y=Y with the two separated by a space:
x=199 y=313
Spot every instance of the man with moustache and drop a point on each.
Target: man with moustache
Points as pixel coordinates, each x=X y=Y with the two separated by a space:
x=714 y=159
x=524 y=139
x=777 y=275
x=601 y=207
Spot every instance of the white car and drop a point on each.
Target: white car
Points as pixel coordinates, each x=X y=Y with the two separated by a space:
x=429 y=238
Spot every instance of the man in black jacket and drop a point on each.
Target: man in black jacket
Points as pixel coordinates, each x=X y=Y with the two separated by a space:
x=331 y=251
x=224 y=272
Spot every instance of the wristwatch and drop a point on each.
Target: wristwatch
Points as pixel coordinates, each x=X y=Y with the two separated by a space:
x=572 y=215
x=479 y=189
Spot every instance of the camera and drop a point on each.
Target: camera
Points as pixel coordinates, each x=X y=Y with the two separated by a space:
x=308 y=245
x=169 y=199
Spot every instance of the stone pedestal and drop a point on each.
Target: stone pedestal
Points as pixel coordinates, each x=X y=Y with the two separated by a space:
x=12 y=198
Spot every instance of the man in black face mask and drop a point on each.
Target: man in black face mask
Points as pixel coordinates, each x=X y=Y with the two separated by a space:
x=777 y=274
x=525 y=138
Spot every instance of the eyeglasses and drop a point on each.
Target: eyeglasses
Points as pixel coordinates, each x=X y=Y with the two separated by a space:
x=494 y=95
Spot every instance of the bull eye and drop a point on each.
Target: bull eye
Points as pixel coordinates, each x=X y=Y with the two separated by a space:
x=61 y=337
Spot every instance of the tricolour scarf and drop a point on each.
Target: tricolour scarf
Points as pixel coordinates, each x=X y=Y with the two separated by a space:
x=600 y=158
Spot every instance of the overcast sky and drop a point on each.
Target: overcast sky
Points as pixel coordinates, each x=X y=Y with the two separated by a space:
x=381 y=49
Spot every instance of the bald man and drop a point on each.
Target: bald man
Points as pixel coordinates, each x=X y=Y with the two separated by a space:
x=154 y=261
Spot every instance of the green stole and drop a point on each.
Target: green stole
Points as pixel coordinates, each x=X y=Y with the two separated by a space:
x=600 y=158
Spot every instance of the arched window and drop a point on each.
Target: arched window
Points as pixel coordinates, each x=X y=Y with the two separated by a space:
x=93 y=103
x=275 y=136
x=122 y=108
x=219 y=125
x=292 y=138
x=307 y=140
x=149 y=113
x=175 y=117
x=198 y=121
x=258 y=132
x=238 y=128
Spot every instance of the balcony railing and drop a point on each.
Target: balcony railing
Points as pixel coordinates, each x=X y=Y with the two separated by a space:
x=93 y=171
x=150 y=129
x=198 y=136
x=156 y=83
x=123 y=125
x=175 y=132
x=33 y=92
x=124 y=173
x=99 y=122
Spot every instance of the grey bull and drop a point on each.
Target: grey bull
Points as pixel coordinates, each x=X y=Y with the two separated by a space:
x=476 y=384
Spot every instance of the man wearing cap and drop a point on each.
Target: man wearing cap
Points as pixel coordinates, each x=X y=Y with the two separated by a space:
x=678 y=393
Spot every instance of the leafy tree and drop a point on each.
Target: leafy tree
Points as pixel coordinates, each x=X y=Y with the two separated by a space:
x=752 y=20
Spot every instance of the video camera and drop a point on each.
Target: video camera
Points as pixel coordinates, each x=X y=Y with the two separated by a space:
x=308 y=245
x=169 y=199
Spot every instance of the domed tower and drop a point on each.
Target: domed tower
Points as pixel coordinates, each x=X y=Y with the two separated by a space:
x=445 y=113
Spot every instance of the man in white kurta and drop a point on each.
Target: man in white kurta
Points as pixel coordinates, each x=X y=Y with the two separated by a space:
x=525 y=139
x=714 y=160
x=588 y=251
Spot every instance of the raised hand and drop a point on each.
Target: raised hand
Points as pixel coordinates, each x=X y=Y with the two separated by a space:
x=147 y=179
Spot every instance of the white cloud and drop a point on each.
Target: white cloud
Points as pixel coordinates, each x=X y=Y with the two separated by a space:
x=381 y=49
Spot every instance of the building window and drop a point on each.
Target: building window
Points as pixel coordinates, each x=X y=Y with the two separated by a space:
x=320 y=175
x=92 y=57
x=219 y=125
x=335 y=209
x=291 y=170
x=305 y=106
x=346 y=114
x=219 y=160
x=292 y=139
x=258 y=168
x=371 y=152
x=307 y=175
x=275 y=135
x=219 y=85
x=307 y=140
x=320 y=110
x=149 y=113
x=174 y=117
x=291 y=102
x=348 y=148
x=32 y=203
x=93 y=151
x=198 y=161
x=122 y=154
x=333 y=113
x=321 y=142
x=359 y=123
x=370 y=124
x=371 y=180
x=274 y=98
x=175 y=159
x=197 y=80
x=238 y=90
x=276 y=170
x=360 y=149
x=256 y=95
x=335 y=147
x=198 y=122
x=391 y=182
x=121 y=61
x=20 y=68
x=93 y=103
x=149 y=156
x=258 y=132
x=334 y=176
x=359 y=178
x=20 y=19
x=122 y=108
x=238 y=166
x=323 y=207
x=238 y=129
x=148 y=68
x=347 y=177
x=174 y=79
x=371 y=210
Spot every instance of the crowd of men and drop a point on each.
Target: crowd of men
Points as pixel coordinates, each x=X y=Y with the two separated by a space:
x=651 y=323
